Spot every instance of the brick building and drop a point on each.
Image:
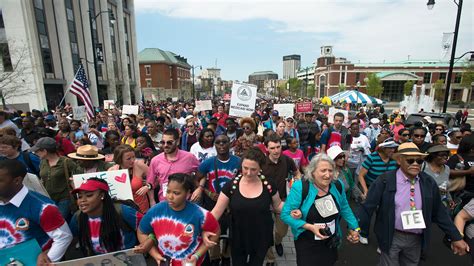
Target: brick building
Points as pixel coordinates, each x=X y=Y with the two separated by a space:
x=164 y=74
x=331 y=71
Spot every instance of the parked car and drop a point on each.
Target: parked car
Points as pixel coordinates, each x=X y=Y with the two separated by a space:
x=448 y=119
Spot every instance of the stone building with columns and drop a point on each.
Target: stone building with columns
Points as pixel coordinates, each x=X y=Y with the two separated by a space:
x=48 y=39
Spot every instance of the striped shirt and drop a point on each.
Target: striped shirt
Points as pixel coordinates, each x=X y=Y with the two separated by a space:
x=376 y=166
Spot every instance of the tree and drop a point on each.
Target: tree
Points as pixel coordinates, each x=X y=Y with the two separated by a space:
x=468 y=78
x=295 y=86
x=374 y=85
x=342 y=87
x=310 y=91
x=439 y=90
x=408 y=87
x=282 y=91
x=14 y=70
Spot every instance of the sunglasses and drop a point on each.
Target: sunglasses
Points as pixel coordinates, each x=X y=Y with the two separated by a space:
x=419 y=136
x=342 y=156
x=412 y=161
x=405 y=135
x=247 y=128
x=289 y=121
x=169 y=142
x=221 y=142
x=459 y=137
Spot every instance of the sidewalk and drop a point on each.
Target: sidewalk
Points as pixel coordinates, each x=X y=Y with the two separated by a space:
x=289 y=252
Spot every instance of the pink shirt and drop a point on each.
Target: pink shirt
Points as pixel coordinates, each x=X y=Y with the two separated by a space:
x=298 y=157
x=402 y=200
x=160 y=168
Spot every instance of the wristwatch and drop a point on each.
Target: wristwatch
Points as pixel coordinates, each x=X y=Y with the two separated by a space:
x=148 y=185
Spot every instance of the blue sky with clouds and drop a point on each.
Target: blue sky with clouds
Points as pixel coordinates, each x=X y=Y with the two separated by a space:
x=250 y=36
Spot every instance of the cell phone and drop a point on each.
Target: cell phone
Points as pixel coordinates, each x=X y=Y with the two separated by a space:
x=167 y=261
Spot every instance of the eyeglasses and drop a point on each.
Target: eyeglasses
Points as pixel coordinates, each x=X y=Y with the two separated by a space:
x=247 y=128
x=405 y=135
x=412 y=161
x=418 y=136
x=169 y=142
x=289 y=121
x=221 y=142
x=459 y=137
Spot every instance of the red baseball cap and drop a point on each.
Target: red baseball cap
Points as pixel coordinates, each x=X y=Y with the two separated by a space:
x=91 y=185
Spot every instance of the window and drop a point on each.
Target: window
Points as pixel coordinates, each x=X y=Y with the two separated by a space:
x=343 y=77
x=427 y=78
x=357 y=77
x=442 y=76
x=43 y=36
x=6 y=59
x=148 y=83
x=457 y=77
x=148 y=70
x=71 y=25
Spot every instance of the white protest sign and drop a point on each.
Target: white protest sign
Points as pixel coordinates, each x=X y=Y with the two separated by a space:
x=130 y=109
x=413 y=220
x=203 y=105
x=79 y=112
x=242 y=100
x=109 y=104
x=118 y=180
x=333 y=111
x=118 y=258
x=285 y=109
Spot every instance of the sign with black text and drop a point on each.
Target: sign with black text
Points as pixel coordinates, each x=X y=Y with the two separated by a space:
x=243 y=98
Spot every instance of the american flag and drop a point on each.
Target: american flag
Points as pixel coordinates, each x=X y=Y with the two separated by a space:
x=80 y=88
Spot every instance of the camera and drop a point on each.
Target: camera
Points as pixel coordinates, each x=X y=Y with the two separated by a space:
x=326 y=231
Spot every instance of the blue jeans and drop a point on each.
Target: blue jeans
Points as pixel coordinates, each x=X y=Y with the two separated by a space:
x=64 y=206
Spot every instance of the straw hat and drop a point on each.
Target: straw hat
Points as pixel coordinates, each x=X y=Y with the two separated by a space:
x=86 y=152
x=408 y=149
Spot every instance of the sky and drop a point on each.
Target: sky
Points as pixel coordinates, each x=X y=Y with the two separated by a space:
x=241 y=37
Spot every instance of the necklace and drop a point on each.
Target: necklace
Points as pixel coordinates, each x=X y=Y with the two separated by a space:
x=412 y=194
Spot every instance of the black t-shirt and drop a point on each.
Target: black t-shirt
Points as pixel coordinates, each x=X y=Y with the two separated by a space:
x=468 y=163
x=314 y=217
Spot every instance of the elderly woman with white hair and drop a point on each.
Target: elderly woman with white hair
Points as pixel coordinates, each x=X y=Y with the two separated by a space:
x=322 y=203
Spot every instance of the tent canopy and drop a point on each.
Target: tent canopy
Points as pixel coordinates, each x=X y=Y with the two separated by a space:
x=353 y=96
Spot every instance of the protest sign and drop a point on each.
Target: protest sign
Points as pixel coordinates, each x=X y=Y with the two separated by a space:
x=118 y=180
x=285 y=109
x=24 y=253
x=79 y=112
x=109 y=104
x=333 y=111
x=243 y=98
x=130 y=109
x=305 y=107
x=203 y=105
x=119 y=258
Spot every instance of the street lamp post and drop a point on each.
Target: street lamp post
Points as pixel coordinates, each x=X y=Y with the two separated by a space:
x=94 y=45
x=194 y=90
x=430 y=5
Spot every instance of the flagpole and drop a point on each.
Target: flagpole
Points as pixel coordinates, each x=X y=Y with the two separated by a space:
x=69 y=87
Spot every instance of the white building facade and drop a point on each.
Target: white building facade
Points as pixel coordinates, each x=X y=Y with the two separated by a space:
x=47 y=40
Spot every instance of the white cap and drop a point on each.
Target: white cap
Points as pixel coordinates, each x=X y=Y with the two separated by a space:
x=374 y=121
x=334 y=151
x=428 y=119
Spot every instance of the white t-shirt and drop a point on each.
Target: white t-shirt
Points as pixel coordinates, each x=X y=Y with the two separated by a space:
x=359 y=150
x=202 y=154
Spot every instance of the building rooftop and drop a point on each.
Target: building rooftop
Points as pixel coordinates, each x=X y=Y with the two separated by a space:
x=263 y=73
x=155 y=55
x=411 y=63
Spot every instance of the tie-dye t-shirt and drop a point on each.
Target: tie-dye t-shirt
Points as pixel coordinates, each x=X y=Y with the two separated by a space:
x=35 y=216
x=178 y=232
x=226 y=171
x=129 y=239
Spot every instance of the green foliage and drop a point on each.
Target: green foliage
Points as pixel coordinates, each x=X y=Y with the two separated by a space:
x=374 y=85
x=342 y=87
x=408 y=87
x=439 y=88
x=468 y=75
x=310 y=91
x=295 y=87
